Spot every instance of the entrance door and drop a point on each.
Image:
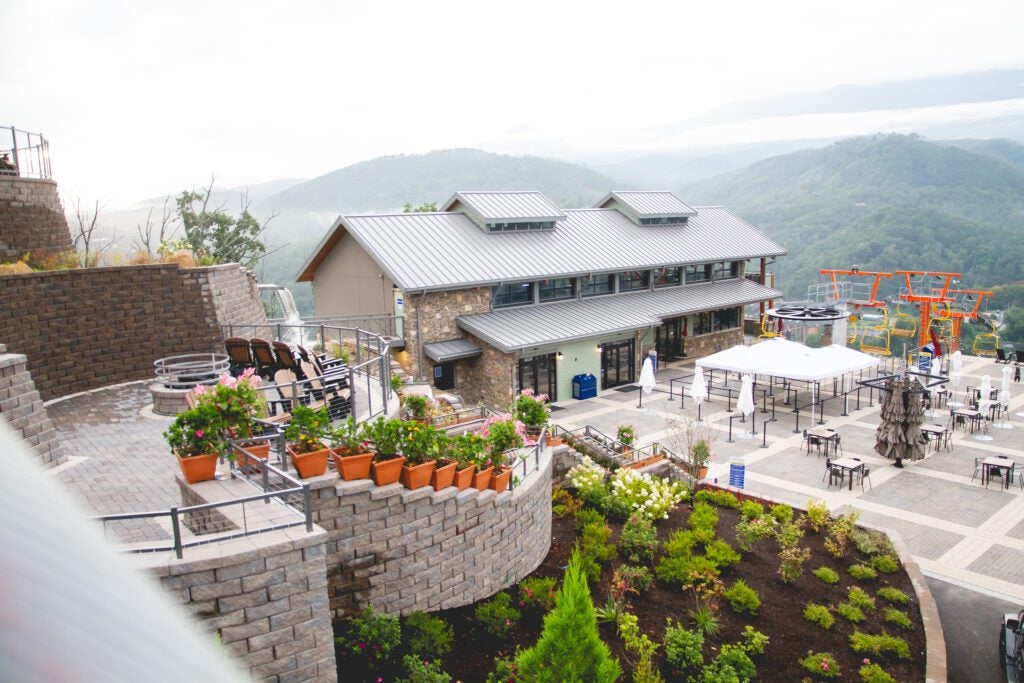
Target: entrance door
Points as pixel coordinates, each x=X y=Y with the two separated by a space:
x=538 y=373
x=669 y=340
x=617 y=364
x=444 y=376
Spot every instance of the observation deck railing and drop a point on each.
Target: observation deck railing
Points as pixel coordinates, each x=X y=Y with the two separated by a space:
x=23 y=154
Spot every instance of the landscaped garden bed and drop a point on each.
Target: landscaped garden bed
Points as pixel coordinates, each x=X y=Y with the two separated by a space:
x=832 y=574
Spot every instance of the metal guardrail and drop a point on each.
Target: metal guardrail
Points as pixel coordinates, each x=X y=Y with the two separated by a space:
x=188 y=370
x=269 y=495
x=24 y=154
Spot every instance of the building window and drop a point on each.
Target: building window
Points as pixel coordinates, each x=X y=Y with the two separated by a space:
x=557 y=290
x=669 y=277
x=633 y=280
x=698 y=273
x=598 y=284
x=520 y=227
x=726 y=319
x=729 y=271
x=702 y=323
x=512 y=294
x=664 y=220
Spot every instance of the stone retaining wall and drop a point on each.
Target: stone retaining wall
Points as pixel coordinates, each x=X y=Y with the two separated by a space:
x=90 y=328
x=267 y=597
x=31 y=220
x=402 y=551
x=23 y=409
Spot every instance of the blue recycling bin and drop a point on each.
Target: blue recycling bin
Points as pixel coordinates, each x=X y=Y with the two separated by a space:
x=584 y=386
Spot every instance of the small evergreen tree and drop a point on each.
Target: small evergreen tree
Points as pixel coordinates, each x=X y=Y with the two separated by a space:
x=569 y=648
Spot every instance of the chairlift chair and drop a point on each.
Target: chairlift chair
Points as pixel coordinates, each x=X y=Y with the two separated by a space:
x=903 y=324
x=876 y=341
x=768 y=331
x=851 y=330
x=987 y=343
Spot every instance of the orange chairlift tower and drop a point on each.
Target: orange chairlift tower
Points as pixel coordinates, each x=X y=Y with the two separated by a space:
x=858 y=295
x=966 y=305
x=932 y=292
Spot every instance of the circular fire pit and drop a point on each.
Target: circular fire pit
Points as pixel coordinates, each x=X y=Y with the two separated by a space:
x=177 y=375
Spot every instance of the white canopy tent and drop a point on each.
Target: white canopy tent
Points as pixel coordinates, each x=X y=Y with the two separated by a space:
x=783 y=358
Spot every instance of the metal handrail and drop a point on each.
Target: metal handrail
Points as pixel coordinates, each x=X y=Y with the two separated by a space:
x=28 y=155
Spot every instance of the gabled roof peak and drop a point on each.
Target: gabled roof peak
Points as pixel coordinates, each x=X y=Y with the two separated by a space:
x=504 y=206
x=646 y=204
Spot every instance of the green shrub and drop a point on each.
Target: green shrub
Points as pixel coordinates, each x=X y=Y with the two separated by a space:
x=497 y=615
x=570 y=648
x=703 y=517
x=893 y=595
x=862 y=572
x=736 y=658
x=851 y=613
x=373 y=634
x=683 y=569
x=751 y=509
x=705 y=621
x=721 y=554
x=782 y=513
x=595 y=549
x=827 y=575
x=538 y=593
x=789 y=534
x=817 y=514
x=639 y=540
x=894 y=616
x=505 y=670
x=886 y=564
x=791 y=563
x=742 y=598
x=839 y=530
x=723 y=499
x=419 y=670
x=858 y=597
x=749 y=531
x=639 y=578
x=821 y=664
x=872 y=673
x=819 y=614
x=641 y=647
x=429 y=637
x=683 y=647
x=865 y=643
x=871 y=542
x=588 y=516
x=754 y=641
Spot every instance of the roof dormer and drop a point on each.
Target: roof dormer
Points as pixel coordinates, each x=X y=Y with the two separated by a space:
x=506 y=211
x=649 y=208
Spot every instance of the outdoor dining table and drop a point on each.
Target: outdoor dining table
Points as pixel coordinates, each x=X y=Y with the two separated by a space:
x=973 y=415
x=850 y=465
x=823 y=434
x=998 y=464
x=934 y=433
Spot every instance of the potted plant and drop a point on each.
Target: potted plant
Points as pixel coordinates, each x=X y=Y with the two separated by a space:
x=626 y=435
x=195 y=437
x=240 y=404
x=467 y=449
x=419 y=446
x=351 y=451
x=700 y=454
x=416 y=406
x=386 y=436
x=529 y=409
x=502 y=435
x=444 y=471
x=482 y=473
x=305 y=435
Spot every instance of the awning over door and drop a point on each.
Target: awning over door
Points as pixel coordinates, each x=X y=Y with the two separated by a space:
x=451 y=350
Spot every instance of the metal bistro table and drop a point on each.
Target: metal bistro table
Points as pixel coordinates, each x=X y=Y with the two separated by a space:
x=936 y=433
x=974 y=416
x=850 y=465
x=828 y=436
x=998 y=464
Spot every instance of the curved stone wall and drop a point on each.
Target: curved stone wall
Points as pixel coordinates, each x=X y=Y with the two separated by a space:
x=402 y=551
x=31 y=220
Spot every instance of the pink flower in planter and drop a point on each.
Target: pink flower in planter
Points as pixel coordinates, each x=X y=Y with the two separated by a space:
x=867 y=661
x=199 y=433
x=199 y=389
x=824 y=665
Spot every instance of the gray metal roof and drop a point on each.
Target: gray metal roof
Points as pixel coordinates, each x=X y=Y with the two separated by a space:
x=645 y=204
x=432 y=251
x=494 y=207
x=451 y=349
x=510 y=329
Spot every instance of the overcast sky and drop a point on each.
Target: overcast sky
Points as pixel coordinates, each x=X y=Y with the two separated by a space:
x=142 y=98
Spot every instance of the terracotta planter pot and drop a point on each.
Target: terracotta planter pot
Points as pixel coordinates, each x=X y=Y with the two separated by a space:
x=443 y=476
x=482 y=479
x=387 y=472
x=352 y=467
x=310 y=464
x=499 y=480
x=464 y=477
x=258 y=449
x=417 y=476
x=555 y=441
x=197 y=468
x=702 y=473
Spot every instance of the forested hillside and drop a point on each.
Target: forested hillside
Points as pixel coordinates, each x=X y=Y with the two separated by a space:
x=884 y=202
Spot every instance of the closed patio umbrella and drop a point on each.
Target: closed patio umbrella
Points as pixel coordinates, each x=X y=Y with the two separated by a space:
x=890 y=437
x=698 y=389
x=956 y=363
x=647 y=380
x=1004 y=397
x=914 y=443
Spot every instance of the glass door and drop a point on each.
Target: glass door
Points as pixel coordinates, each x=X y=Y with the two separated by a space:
x=617 y=364
x=669 y=339
x=538 y=373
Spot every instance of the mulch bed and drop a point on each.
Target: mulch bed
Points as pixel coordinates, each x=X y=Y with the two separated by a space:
x=780 y=616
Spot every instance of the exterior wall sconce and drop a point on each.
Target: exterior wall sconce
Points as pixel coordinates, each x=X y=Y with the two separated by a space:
x=559 y=355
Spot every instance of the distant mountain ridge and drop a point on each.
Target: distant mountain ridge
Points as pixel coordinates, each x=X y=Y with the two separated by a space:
x=884 y=202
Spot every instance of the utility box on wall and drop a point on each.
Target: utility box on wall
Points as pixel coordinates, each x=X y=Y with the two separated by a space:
x=584 y=386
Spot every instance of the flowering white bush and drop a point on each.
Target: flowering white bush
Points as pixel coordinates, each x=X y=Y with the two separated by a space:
x=645 y=495
x=587 y=477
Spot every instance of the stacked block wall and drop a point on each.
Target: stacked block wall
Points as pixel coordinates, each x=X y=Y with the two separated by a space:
x=22 y=408
x=31 y=220
x=89 y=328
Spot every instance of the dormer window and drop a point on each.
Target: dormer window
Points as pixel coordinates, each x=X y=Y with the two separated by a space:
x=663 y=220
x=503 y=212
x=649 y=208
x=522 y=226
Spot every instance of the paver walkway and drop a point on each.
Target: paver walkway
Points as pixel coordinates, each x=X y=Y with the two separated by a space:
x=956 y=529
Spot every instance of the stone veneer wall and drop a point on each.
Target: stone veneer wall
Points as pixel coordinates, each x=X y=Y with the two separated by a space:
x=706 y=344
x=31 y=220
x=487 y=379
x=89 y=328
x=434 y=313
x=402 y=551
x=23 y=409
x=267 y=597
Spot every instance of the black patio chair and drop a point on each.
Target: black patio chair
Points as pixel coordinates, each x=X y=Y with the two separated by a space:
x=1002 y=357
x=1018 y=357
